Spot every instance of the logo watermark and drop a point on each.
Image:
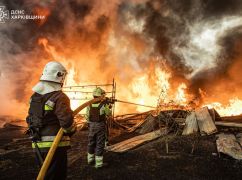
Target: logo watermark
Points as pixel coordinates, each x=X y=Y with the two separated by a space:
x=17 y=15
x=4 y=14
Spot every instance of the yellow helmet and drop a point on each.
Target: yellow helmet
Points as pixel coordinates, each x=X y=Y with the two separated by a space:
x=98 y=92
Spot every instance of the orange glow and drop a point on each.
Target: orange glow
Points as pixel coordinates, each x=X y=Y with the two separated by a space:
x=181 y=96
x=152 y=88
x=233 y=108
x=41 y=11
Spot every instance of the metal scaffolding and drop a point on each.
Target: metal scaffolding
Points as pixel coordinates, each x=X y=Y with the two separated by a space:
x=83 y=93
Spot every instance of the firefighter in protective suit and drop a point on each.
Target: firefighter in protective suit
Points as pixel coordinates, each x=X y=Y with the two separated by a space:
x=49 y=111
x=96 y=117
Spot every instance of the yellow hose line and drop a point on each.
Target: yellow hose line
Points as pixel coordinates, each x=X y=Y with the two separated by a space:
x=57 y=140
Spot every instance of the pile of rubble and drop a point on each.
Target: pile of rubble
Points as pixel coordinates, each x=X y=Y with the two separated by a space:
x=150 y=125
x=201 y=121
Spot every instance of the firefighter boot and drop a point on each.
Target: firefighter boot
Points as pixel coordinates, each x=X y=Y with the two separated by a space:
x=90 y=159
x=99 y=162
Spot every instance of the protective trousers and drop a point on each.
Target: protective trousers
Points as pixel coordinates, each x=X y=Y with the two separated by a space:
x=58 y=166
x=96 y=138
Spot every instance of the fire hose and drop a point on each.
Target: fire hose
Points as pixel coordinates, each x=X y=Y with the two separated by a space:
x=126 y=102
x=110 y=100
x=58 y=138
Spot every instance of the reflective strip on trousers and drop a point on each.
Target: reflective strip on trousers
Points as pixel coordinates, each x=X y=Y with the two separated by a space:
x=99 y=160
x=49 y=144
x=90 y=157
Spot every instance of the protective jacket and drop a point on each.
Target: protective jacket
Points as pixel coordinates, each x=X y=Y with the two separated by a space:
x=47 y=114
x=98 y=112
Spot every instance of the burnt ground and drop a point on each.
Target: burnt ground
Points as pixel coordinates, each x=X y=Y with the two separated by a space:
x=149 y=161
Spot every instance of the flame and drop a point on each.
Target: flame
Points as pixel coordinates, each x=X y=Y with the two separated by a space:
x=180 y=97
x=153 y=88
x=233 y=108
x=48 y=48
x=141 y=92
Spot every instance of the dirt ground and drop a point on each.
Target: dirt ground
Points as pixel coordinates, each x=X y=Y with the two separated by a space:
x=149 y=161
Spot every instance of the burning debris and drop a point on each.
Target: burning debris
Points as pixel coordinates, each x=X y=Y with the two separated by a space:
x=177 y=65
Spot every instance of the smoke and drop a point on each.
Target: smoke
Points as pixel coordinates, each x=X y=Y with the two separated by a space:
x=196 y=37
x=198 y=40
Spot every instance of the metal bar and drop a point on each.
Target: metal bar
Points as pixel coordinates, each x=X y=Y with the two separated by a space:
x=87 y=86
x=114 y=96
x=82 y=91
x=126 y=102
x=80 y=99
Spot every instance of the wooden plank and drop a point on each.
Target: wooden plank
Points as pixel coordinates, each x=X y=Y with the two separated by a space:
x=191 y=124
x=205 y=122
x=228 y=124
x=227 y=144
x=132 y=129
x=120 y=125
x=239 y=138
x=135 y=141
x=149 y=125
x=237 y=119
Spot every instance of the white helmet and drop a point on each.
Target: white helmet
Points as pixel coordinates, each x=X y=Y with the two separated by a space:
x=54 y=72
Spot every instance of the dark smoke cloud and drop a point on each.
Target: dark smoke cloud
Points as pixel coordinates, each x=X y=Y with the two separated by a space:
x=164 y=29
x=170 y=23
x=216 y=8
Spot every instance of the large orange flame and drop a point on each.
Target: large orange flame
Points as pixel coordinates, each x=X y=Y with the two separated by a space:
x=140 y=89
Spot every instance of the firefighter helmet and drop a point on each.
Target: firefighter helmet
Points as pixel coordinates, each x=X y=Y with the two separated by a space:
x=98 y=92
x=54 y=72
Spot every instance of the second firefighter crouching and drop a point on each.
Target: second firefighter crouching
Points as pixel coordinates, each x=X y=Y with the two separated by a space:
x=96 y=116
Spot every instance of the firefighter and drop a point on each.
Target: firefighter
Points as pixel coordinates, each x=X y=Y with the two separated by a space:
x=49 y=111
x=96 y=116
